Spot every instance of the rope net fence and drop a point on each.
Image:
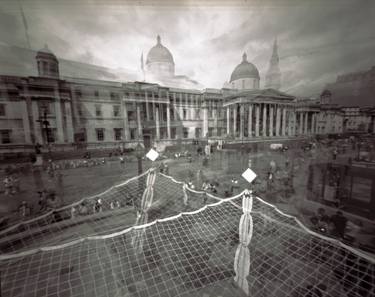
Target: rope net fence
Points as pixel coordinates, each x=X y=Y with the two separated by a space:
x=183 y=242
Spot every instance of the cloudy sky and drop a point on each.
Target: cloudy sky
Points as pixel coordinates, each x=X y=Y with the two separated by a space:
x=317 y=39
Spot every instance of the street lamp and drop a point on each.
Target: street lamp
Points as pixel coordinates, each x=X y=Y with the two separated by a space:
x=45 y=126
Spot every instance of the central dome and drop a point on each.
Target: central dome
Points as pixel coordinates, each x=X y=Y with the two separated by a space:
x=244 y=70
x=159 y=53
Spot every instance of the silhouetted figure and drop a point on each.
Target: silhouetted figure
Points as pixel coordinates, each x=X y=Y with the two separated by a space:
x=37 y=148
x=339 y=222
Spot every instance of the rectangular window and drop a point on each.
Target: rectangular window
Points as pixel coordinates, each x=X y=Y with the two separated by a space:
x=98 y=110
x=5 y=136
x=184 y=116
x=173 y=133
x=116 y=110
x=100 y=134
x=78 y=93
x=118 y=133
x=96 y=93
x=133 y=133
x=198 y=132
x=131 y=116
x=186 y=132
x=198 y=114
x=114 y=96
x=2 y=110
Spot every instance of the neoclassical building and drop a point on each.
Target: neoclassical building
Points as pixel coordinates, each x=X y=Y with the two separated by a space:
x=66 y=112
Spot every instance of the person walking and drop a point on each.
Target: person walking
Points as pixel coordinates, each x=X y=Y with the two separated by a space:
x=334 y=153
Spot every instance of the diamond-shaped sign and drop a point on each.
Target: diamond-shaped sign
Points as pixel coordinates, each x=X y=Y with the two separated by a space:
x=249 y=175
x=152 y=155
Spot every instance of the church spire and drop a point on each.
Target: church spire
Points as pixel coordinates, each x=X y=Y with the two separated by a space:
x=158 y=39
x=273 y=77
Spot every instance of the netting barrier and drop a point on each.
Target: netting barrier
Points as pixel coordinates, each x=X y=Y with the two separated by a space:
x=203 y=246
x=113 y=210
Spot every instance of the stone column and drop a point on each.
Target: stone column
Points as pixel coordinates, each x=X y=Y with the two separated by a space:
x=278 y=120
x=257 y=120
x=312 y=131
x=25 y=122
x=294 y=123
x=235 y=121
x=264 y=120
x=69 y=122
x=290 y=113
x=147 y=107
x=283 y=125
x=153 y=106
x=126 y=121
x=187 y=107
x=58 y=117
x=181 y=108
x=215 y=122
x=174 y=107
x=157 y=123
x=306 y=122
x=271 y=121
x=205 y=121
x=168 y=121
x=228 y=120
x=242 y=124
x=139 y=122
x=300 y=123
x=250 y=122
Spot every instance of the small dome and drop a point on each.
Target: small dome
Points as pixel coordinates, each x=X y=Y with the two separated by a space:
x=159 y=53
x=244 y=70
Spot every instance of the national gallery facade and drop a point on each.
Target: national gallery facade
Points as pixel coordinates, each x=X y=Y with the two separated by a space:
x=61 y=111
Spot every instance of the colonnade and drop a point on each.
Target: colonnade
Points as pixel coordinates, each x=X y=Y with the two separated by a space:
x=268 y=120
x=155 y=116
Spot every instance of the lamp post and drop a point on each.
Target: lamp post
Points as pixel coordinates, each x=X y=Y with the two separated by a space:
x=45 y=126
x=139 y=151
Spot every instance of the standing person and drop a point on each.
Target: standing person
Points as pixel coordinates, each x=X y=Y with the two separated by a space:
x=98 y=207
x=287 y=161
x=8 y=185
x=122 y=160
x=166 y=169
x=16 y=184
x=339 y=222
x=334 y=153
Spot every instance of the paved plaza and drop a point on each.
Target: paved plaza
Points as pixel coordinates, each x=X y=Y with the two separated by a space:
x=222 y=166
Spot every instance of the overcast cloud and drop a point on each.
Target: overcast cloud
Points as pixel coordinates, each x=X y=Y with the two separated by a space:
x=317 y=39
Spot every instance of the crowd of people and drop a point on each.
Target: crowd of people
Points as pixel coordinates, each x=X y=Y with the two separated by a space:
x=11 y=184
